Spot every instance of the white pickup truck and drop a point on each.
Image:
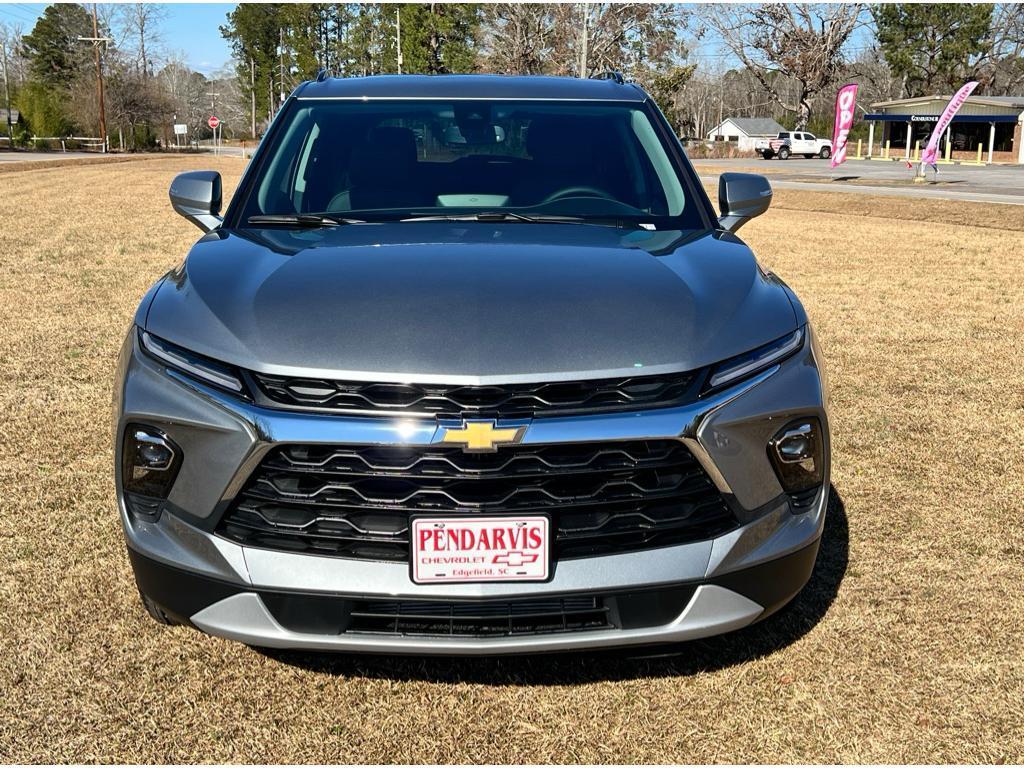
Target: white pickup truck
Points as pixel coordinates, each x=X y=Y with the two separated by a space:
x=793 y=143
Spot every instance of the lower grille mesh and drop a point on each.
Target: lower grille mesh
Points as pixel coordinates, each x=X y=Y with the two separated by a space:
x=569 y=614
x=355 y=501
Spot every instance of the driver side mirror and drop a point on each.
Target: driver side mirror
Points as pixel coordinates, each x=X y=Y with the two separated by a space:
x=741 y=197
x=197 y=196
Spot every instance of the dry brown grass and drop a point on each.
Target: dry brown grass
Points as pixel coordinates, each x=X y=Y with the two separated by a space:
x=907 y=646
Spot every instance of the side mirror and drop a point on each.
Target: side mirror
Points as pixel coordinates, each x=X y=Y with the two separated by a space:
x=741 y=197
x=196 y=195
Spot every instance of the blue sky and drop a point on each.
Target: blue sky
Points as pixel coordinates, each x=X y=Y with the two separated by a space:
x=191 y=28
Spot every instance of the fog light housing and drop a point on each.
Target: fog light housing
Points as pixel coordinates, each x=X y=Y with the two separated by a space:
x=149 y=465
x=797 y=453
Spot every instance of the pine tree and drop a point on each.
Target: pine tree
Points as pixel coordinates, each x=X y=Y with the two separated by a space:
x=932 y=47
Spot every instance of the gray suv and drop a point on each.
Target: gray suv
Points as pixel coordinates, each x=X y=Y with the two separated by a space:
x=470 y=365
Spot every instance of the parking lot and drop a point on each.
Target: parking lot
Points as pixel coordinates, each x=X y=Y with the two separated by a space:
x=905 y=647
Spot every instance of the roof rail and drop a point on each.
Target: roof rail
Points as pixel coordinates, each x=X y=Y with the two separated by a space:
x=610 y=74
x=322 y=75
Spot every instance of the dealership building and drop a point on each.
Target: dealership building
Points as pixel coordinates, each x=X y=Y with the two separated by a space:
x=992 y=122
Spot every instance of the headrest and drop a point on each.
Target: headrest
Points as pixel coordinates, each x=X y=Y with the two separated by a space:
x=399 y=144
x=388 y=150
x=562 y=140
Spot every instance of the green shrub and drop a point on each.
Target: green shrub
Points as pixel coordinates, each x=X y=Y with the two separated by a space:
x=43 y=110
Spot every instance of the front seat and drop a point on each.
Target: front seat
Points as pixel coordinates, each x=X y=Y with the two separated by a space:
x=385 y=173
x=564 y=154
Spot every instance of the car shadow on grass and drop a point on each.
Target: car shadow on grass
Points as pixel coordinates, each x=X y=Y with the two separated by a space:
x=680 y=659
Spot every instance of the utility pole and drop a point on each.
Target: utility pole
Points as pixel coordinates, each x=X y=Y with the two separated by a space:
x=97 y=41
x=280 y=53
x=583 y=48
x=7 y=95
x=398 y=27
x=252 y=92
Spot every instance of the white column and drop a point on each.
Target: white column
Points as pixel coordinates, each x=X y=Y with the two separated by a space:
x=991 y=140
x=910 y=131
x=949 y=148
x=871 y=136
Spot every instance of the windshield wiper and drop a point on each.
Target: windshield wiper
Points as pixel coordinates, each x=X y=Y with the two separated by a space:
x=500 y=216
x=300 y=220
x=533 y=218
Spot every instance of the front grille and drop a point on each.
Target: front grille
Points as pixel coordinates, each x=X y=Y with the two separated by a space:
x=461 y=401
x=355 y=501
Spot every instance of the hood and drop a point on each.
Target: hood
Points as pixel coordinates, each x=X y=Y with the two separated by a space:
x=469 y=303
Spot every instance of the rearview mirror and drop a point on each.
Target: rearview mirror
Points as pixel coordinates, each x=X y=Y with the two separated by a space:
x=741 y=197
x=473 y=135
x=196 y=195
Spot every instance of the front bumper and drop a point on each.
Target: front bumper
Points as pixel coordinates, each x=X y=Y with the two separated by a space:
x=219 y=586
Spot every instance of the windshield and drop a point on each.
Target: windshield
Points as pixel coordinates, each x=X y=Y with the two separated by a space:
x=394 y=159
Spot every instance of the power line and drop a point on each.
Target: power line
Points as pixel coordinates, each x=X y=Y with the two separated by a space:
x=11 y=14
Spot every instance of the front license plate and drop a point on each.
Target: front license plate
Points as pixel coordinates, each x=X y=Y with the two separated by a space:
x=468 y=549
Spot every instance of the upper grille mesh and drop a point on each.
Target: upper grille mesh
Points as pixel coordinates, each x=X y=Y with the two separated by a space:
x=504 y=401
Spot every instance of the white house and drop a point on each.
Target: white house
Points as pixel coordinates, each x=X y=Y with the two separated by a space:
x=745 y=131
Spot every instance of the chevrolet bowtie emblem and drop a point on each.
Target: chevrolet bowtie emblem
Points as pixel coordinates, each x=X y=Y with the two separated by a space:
x=482 y=436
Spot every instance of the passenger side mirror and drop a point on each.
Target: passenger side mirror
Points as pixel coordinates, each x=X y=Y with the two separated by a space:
x=741 y=197
x=196 y=195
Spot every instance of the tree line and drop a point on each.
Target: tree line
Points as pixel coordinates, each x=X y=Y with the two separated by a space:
x=52 y=79
x=780 y=60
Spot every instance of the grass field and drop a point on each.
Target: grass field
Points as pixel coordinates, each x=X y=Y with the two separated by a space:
x=906 y=646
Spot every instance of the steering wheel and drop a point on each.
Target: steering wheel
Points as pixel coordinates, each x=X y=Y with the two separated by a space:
x=578 y=191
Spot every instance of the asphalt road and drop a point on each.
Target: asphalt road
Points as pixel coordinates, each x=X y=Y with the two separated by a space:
x=986 y=184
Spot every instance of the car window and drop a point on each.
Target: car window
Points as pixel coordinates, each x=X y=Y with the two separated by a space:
x=397 y=158
x=783 y=135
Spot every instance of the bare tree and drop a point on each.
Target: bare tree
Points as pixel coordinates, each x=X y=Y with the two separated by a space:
x=631 y=37
x=1001 y=67
x=186 y=93
x=877 y=80
x=803 y=41
x=519 y=37
x=141 y=25
x=17 y=65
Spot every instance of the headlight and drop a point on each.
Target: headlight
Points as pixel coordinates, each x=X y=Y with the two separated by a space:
x=749 y=363
x=199 y=367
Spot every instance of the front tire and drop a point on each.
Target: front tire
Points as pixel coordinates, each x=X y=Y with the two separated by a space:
x=825 y=153
x=784 y=153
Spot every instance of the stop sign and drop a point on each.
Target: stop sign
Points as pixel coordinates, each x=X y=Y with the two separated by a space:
x=213 y=122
